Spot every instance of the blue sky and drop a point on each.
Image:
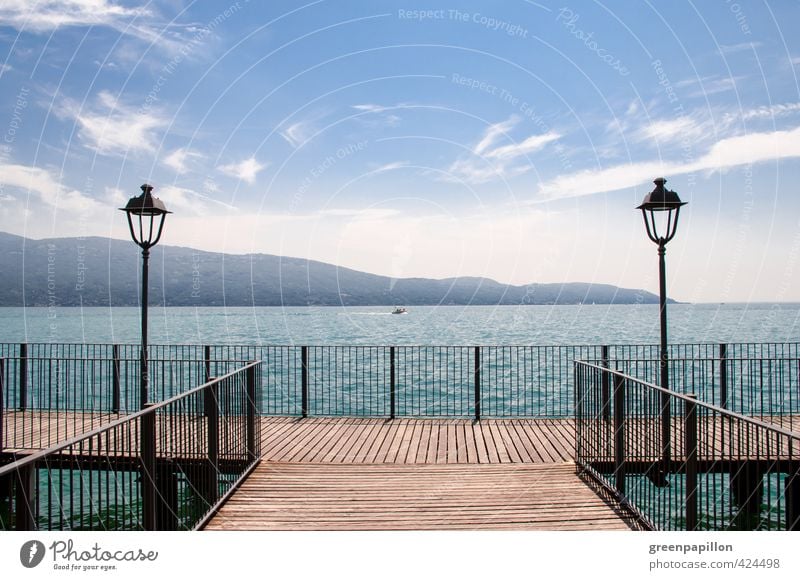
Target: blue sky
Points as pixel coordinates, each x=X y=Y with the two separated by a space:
x=510 y=140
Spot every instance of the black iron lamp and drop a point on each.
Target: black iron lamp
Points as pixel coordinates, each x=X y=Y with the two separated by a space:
x=146 y=215
x=660 y=210
x=657 y=201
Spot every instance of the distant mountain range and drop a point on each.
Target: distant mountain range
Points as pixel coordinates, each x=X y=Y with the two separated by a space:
x=101 y=272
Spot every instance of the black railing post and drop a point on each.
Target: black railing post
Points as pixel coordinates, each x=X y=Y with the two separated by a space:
x=793 y=500
x=606 y=385
x=207 y=361
x=477 y=383
x=212 y=413
x=250 y=383
x=23 y=376
x=148 y=476
x=304 y=381
x=690 y=449
x=723 y=376
x=619 y=433
x=26 y=497
x=115 y=394
x=392 y=383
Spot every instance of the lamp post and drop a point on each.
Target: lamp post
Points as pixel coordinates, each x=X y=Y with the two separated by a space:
x=146 y=216
x=660 y=210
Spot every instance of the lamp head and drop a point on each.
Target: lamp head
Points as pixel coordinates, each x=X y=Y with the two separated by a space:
x=146 y=209
x=657 y=201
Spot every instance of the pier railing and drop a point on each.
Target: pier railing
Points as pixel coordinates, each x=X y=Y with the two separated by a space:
x=710 y=469
x=166 y=467
x=44 y=401
x=417 y=381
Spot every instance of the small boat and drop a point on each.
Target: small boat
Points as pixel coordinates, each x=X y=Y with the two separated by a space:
x=399 y=310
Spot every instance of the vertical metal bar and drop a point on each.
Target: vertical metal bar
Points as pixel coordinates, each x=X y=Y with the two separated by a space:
x=666 y=414
x=148 y=476
x=392 y=383
x=690 y=444
x=207 y=361
x=250 y=381
x=304 y=381
x=144 y=390
x=26 y=497
x=606 y=385
x=115 y=392
x=2 y=400
x=212 y=413
x=619 y=433
x=723 y=375
x=477 y=383
x=23 y=376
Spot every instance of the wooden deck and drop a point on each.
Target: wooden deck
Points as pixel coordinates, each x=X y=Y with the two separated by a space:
x=349 y=440
x=334 y=496
x=417 y=474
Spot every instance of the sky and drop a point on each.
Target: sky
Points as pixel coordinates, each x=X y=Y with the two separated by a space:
x=511 y=140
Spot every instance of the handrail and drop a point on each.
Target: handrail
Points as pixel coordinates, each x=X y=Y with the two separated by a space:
x=151 y=408
x=722 y=468
x=693 y=400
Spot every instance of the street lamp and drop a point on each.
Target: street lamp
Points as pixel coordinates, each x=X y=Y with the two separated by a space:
x=660 y=210
x=146 y=216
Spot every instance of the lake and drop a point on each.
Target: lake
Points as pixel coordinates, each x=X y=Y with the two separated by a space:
x=423 y=325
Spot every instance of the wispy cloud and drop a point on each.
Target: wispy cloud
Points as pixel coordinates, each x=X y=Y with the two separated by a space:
x=390 y=166
x=672 y=130
x=730 y=152
x=766 y=112
x=489 y=160
x=180 y=158
x=187 y=201
x=708 y=85
x=245 y=170
x=298 y=133
x=113 y=128
x=383 y=113
x=726 y=49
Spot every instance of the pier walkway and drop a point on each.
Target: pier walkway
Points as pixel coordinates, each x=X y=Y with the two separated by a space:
x=373 y=474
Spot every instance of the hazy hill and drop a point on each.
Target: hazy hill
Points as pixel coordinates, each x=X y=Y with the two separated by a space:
x=101 y=272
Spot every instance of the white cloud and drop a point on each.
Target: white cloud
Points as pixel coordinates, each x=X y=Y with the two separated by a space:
x=114 y=128
x=245 y=170
x=492 y=161
x=47 y=15
x=178 y=159
x=730 y=152
x=49 y=190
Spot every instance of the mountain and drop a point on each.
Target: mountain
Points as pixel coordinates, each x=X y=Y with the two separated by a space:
x=101 y=272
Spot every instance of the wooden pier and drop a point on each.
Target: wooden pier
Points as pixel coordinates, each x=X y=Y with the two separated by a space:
x=417 y=474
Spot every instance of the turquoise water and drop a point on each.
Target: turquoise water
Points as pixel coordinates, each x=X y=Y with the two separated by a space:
x=423 y=325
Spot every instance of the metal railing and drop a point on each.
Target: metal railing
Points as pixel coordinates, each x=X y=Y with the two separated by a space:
x=717 y=470
x=44 y=401
x=166 y=467
x=429 y=381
